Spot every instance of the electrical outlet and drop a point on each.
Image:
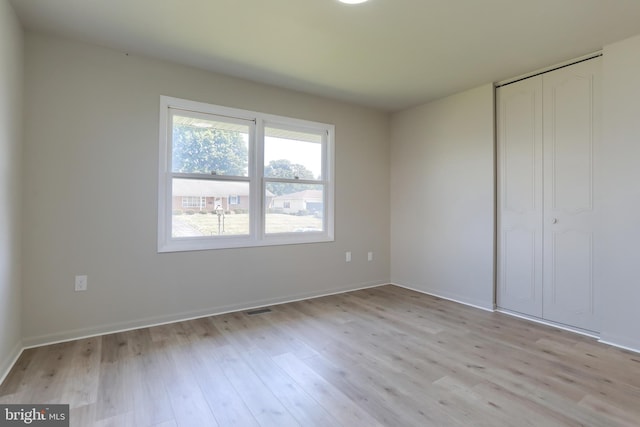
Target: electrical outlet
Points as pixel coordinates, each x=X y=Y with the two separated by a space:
x=347 y=256
x=81 y=283
x=370 y=256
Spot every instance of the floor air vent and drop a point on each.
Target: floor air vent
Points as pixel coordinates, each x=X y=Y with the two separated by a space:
x=259 y=311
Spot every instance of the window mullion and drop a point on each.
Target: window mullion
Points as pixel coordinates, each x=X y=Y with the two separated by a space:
x=257 y=183
x=209 y=177
x=328 y=175
x=294 y=181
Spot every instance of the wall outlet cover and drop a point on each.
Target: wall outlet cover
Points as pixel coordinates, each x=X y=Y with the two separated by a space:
x=81 y=283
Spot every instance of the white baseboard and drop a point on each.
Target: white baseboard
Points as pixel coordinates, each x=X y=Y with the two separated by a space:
x=589 y=334
x=584 y=332
x=448 y=298
x=624 y=345
x=75 y=334
x=9 y=362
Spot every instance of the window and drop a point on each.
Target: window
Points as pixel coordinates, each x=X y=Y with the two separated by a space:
x=235 y=178
x=193 y=202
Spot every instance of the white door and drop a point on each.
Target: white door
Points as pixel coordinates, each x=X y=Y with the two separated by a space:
x=520 y=237
x=571 y=137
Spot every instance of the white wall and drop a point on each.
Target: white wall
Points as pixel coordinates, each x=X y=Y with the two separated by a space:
x=619 y=226
x=11 y=62
x=442 y=197
x=91 y=164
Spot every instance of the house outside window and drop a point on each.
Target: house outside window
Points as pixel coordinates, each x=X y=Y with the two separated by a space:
x=239 y=169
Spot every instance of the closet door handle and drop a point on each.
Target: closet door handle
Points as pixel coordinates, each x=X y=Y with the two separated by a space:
x=554 y=221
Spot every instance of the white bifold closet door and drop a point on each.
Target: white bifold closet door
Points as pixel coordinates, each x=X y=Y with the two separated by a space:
x=520 y=240
x=548 y=133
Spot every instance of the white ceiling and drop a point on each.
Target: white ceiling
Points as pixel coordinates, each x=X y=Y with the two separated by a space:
x=388 y=54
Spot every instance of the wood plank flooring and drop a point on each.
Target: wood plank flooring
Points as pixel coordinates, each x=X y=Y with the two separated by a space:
x=385 y=356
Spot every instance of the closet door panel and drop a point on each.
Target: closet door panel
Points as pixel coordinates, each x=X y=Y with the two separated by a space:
x=519 y=275
x=572 y=251
x=519 y=150
x=569 y=142
x=571 y=133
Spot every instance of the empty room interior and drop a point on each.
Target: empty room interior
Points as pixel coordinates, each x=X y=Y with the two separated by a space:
x=389 y=213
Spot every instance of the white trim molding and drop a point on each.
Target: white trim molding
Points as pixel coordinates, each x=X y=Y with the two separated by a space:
x=459 y=301
x=8 y=364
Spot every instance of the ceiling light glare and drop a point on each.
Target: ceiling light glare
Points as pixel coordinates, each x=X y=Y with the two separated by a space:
x=352 y=1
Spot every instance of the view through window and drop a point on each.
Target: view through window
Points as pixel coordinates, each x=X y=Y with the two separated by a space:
x=233 y=178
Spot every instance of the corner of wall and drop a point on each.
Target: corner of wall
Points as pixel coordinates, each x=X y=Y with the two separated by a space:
x=11 y=122
x=443 y=197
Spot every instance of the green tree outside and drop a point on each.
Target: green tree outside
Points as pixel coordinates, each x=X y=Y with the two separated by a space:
x=285 y=169
x=209 y=150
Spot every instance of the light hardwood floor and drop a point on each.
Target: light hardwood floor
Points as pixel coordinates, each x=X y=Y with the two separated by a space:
x=385 y=356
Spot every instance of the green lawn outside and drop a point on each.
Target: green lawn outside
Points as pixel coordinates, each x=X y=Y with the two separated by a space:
x=238 y=224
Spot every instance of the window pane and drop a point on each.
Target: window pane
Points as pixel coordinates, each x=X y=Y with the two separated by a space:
x=292 y=154
x=203 y=207
x=294 y=208
x=208 y=144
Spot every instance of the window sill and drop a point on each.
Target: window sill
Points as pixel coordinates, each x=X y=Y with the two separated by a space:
x=188 y=244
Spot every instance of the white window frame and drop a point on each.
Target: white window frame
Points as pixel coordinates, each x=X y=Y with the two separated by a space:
x=202 y=204
x=257 y=182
